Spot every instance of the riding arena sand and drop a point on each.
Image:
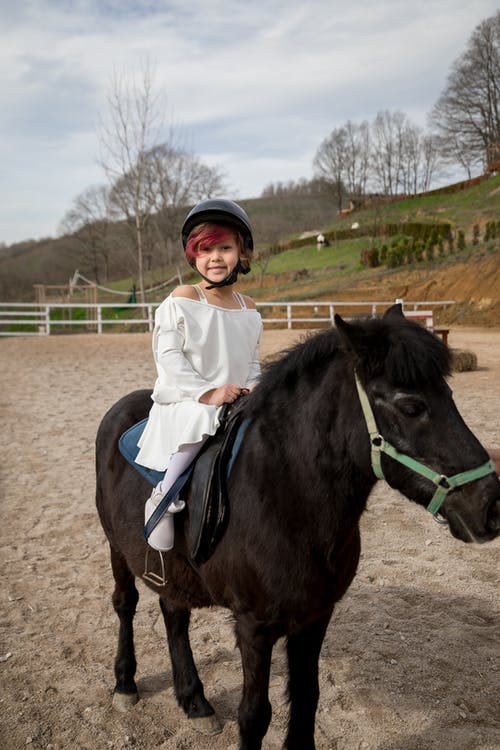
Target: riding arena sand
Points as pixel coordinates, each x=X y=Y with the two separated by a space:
x=410 y=659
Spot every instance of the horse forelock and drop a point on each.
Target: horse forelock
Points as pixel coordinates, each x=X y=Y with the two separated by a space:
x=416 y=357
x=400 y=350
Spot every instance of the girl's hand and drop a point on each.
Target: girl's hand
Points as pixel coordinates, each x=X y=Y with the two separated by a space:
x=225 y=394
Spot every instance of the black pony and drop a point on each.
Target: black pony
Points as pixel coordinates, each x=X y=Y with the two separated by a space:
x=296 y=491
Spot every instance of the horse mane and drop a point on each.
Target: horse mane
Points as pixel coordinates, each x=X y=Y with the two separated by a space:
x=400 y=350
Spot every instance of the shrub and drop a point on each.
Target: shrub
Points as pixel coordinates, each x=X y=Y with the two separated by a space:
x=392 y=258
x=434 y=236
x=461 y=240
x=396 y=255
x=491 y=230
x=370 y=257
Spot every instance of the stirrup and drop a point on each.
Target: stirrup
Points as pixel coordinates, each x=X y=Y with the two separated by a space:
x=151 y=576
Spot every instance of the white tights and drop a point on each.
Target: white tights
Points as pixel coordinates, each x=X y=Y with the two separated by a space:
x=162 y=536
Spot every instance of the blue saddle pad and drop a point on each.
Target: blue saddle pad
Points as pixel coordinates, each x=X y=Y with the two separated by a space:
x=129 y=450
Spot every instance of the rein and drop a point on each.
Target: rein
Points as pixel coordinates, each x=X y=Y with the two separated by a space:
x=443 y=483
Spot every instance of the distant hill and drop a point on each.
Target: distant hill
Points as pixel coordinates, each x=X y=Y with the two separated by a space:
x=54 y=260
x=302 y=272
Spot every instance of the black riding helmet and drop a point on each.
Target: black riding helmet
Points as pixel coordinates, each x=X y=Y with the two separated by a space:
x=225 y=212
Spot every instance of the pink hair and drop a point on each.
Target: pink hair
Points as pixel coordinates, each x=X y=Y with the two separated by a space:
x=206 y=235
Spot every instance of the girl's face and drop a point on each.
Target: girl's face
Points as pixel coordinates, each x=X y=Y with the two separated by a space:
x=218 y=260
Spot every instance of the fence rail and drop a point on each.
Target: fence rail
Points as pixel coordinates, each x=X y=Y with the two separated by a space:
x=32 y=319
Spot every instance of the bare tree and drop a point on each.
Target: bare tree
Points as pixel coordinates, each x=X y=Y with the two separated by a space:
x=89 y=220
x=343 y=160
x=419 y=160
x=135 y=124
x=388 y=133
x=357 y=157
x=153 y=177
x=394 y=156
x=410 y=159
x=466 y=116
x=430 y=161
x=176 y=179
x=330 y=162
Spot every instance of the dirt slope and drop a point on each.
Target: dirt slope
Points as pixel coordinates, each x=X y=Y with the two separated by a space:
x=474 y=284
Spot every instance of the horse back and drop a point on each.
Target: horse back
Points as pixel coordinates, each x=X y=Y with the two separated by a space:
x=127 y=411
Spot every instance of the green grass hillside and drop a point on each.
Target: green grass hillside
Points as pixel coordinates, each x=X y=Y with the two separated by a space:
x=306 y=273
x=341 y=261
x=463 y=209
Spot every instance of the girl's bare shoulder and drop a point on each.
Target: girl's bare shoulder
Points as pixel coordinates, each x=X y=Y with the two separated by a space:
x=185 y=290
x=249 y=301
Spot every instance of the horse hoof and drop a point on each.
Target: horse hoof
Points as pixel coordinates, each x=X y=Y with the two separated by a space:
x=208 y=725
x=124 y=701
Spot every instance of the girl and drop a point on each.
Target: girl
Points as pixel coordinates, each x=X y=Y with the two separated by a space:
x=205 y=346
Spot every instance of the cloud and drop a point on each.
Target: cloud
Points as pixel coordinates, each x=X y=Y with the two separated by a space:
x=254 y=87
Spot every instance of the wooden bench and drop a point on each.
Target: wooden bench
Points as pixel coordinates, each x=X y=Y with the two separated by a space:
x=426 y=317
x=443 y=332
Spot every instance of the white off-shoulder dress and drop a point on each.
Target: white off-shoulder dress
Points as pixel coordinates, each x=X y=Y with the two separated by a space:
x=197 y=346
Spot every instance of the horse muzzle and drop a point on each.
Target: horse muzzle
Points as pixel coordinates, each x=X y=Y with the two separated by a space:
x=469 y=527
x=494 y=517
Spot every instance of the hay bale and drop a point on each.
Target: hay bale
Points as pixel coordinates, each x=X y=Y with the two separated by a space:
x=463 y=361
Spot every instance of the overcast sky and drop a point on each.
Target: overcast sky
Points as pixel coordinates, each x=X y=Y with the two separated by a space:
x=254 y=86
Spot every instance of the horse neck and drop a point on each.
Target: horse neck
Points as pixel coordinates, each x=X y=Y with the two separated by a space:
x=318 y=444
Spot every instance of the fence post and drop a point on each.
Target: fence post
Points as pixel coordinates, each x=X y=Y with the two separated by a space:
x=332 y=314
x=99 y=319
x=47 y=320
x=289 y=316
x=374 y=310
x=150 y=318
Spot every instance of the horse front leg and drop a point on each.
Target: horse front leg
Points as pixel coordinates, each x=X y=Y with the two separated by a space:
x=125 y=598
x=303 y=688
x=187 y=684
x=254 y=714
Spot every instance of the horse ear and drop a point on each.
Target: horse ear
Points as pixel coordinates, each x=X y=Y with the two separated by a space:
x=367 y=349
x=394 y=311
x=350 y=334
x=340 y=323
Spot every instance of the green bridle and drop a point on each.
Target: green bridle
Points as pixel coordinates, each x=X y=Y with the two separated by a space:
x=443 y=483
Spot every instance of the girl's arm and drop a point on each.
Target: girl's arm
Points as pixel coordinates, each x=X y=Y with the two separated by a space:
x=178 y=375
x=225 y=394
x=177 y=379
x=253 y=370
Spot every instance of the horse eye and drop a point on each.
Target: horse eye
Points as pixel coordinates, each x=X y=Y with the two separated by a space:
x=411 y=407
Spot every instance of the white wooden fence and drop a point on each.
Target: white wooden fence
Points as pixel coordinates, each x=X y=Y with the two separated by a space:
x=31 y=319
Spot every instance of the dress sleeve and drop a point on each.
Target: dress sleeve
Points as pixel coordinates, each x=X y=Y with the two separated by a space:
x=254 y=368
x=177 y=379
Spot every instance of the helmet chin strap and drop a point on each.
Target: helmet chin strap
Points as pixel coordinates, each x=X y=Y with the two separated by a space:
x=230 y=278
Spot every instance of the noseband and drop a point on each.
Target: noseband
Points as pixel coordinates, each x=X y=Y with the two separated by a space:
x=443 y=483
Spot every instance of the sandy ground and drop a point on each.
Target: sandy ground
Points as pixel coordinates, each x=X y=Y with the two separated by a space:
x=410 y=657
